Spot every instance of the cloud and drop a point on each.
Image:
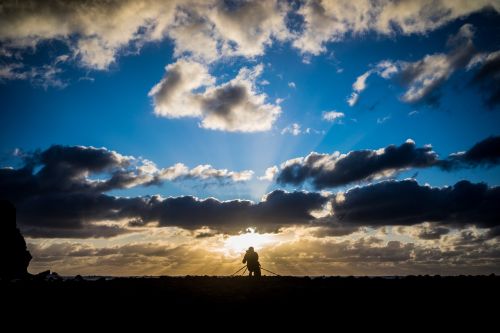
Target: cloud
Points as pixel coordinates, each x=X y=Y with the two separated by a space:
x=234 y=106
x=96 y=32
x=358 y=86
x=430 y=233
x=331 y=21
x=195 y=27
x=270 y=173
x=44 y=76
x=407 y=203
x=61 y=192
x=460 y=253
x=446 y=218
x=293 y=129
x=383 y=119
x=292 y=85
x=73 y=169
x=173 y=96
x=83 y=215
x=250 y=25
x=275 y=210
x=333 y=116
x=484 y=153
x=385 y=69
x=423 y=78
x=331 y=170
x=488 y=76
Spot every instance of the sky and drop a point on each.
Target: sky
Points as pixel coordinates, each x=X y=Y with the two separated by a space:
x=336 y=137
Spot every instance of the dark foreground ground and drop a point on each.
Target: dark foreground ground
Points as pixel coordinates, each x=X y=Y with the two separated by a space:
x=224 y=296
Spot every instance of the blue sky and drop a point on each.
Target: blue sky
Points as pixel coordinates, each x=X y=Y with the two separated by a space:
x=100 y=97
x=112 y=109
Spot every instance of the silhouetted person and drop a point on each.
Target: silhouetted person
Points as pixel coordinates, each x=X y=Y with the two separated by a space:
x=251 y=258
x=14 y=257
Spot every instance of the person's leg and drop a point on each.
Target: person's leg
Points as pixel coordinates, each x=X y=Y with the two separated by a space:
x=257 y=272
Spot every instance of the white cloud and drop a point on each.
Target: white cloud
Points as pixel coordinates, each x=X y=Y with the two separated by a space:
x=147 y=173
x=314 y=131
x=385 y=69
x=333 y=116
x=270 y=173
x=424 y=76
x=360 y=83
x=246 y=29
x=358 y=86
x=173 y=96
x=432 y=69
x=383 y=119
x=232 y=106
x=208 y=172
x=292 y=85
x=330 y=21
x=96 y=31
x=481 y=58
x=293 y=129
x=43 y=76
x=353 y=99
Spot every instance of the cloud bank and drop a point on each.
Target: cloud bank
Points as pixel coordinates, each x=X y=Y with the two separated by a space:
x=333 y=170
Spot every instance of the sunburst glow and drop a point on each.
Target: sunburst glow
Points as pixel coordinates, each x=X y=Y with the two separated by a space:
x=240 y=243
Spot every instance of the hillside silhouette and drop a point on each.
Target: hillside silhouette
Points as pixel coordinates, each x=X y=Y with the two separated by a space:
x=14 y=257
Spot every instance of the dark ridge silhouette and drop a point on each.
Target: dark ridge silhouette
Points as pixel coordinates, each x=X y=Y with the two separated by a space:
x=254 y=301
x=14 y=257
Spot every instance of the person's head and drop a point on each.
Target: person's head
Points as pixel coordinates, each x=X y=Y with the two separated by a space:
x=250 y=249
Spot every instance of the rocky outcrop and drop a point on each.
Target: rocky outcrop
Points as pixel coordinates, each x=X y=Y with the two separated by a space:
x=14 y=256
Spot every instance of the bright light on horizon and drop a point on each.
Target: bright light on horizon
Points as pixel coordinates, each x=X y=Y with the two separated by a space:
x=240 y=243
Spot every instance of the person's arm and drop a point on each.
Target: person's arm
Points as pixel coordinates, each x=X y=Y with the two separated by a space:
x=244 y=259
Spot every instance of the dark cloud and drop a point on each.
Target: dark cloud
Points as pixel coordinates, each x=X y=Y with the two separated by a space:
x=225 y=99
x=59 y=169
x=56 y=198
x=433 y=233
x=484 y=153
x=70 y=169
x=331 y=170
x=408 y=203
x=493 y=232
x=65 y=168
x=488 y=79
x=278 y=208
